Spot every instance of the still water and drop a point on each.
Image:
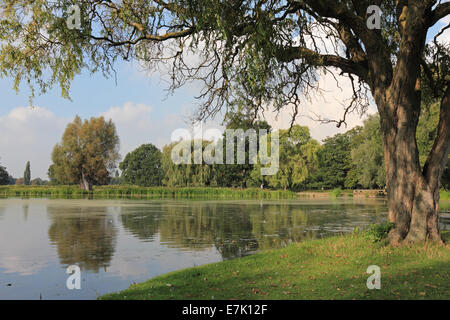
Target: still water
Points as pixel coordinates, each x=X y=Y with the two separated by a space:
x=118 y=242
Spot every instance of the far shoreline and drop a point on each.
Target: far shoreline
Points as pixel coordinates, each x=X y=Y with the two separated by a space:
x=212 y=193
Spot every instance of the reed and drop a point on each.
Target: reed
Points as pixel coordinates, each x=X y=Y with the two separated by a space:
x=147 y=192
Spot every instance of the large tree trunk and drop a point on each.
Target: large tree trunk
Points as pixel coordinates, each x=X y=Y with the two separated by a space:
x=413 y=193
x=85 y=182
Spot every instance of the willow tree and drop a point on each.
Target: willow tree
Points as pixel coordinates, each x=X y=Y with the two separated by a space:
x=87 y=153
x=261 y=53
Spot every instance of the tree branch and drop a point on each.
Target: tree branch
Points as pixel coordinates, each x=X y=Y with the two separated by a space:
x=326 y=60
x=437 y=159
x=437 y=14
x=167 y=36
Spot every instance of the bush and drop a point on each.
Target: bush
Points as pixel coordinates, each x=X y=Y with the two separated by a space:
x=378 y=232
x=336 y=193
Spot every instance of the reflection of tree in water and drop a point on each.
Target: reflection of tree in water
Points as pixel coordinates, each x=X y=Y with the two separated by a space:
x=2 y=211
x=85 y=237
x=25 y=208
x=142 y=222
x=234 y=236
x=189 y=226
x=234 y=229
x=278 y=225
x=237 y=229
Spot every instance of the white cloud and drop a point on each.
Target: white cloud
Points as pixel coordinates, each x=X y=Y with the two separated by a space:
x=138 y=114
x=445 y=20
x=29 y=134
x=136 y=125
x=445 y=37
x=329 y=105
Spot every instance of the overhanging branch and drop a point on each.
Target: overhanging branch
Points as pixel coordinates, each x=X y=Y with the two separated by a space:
x=441 y=11
x=325 y=60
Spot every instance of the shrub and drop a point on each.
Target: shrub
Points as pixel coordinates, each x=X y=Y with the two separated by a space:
x=378 y=232
x=336 y=193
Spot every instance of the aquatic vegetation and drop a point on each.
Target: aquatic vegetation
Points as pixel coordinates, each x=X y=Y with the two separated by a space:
x=151 y=192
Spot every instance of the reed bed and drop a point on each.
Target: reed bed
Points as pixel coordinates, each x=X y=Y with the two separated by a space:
x=147 y=192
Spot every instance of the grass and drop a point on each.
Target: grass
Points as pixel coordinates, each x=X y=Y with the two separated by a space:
x=331 y=268
x=445 y=195
x=147 y=192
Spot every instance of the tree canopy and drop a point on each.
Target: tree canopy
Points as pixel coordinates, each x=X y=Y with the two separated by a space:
x=298 y=161
x=258 y=54
x=87 y=153
x=143 y=167
x=367 y=159
x=249 y=51
x=4 y=176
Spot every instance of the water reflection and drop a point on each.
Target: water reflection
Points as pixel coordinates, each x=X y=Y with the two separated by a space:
x=25 y=208
x=118 y=242
x=241 y=228
x=84 y=236
x=142 y=222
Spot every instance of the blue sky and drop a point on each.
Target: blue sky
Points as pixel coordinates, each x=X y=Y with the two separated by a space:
x=92 y=94
x=138 y=106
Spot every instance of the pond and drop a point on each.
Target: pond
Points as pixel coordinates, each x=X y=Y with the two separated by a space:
x=118 y=242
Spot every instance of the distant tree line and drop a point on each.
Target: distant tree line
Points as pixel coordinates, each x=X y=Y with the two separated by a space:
x=7 y=179
x=88 y=155
x=351 y=160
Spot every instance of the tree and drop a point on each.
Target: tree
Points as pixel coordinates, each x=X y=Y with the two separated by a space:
x=367 y=164
x=297 y=159
x=265 y=53
x=195 y=173
x=426 y=135
x=27 y=175
x=38 y=182
x=240 y=175
x=367 y=149
x=87 y=153
x=117 y=179
x=4 y=176
x=52 y=175
x=142 y=167
x=334 y=159
x=12 y=180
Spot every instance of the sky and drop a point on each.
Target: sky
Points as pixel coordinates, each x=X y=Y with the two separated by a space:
x=139 y=106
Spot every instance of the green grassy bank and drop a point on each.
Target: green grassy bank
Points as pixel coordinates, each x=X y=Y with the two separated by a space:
x=444 y=195
x=150 y=192
x=332 y=268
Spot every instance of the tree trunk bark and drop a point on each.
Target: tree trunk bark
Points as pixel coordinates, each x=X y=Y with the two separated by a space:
x=85 y=182
x=413 y=193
